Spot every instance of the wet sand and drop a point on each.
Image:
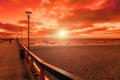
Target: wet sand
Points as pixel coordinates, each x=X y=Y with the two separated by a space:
x=90 y=62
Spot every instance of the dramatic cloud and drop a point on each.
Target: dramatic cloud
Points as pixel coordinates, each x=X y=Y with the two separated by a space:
x=109 y=12
x=7 y=29
x=25 y=22
x=78 y=17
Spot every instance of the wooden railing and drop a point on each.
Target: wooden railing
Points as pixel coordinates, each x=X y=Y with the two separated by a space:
x=41 y=66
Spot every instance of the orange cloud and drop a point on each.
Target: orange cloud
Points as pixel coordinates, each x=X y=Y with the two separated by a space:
x=88 y=17
x=15 y=1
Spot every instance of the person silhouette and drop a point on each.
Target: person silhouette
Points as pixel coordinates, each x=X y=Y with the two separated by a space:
x=10 y=41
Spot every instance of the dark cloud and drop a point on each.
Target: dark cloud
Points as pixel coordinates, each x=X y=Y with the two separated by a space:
x=23 y=22
x=31 y=23
x=45 y=31
x=91 y=30
x=11 y=27
x=3 y=34
x=97 y=29
x=113 y=32
x=108 y=13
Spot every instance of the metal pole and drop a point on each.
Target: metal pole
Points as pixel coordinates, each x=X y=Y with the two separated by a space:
x=28 y=15
x=21 y=34
x=28 y=32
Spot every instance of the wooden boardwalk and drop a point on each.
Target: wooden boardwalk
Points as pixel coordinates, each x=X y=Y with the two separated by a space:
x=11 y=66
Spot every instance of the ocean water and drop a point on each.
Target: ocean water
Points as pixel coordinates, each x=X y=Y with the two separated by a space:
x=71 y=41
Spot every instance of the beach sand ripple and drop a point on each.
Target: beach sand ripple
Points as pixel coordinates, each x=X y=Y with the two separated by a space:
x=91 y=62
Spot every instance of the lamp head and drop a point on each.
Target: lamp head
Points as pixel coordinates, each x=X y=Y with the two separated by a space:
x=28 y=12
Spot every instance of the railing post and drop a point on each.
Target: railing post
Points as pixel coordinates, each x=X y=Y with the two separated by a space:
x=27 y=57
x=31 y=64
x=42 y=74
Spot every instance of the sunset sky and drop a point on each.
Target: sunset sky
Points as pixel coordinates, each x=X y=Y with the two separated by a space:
x=78 y=18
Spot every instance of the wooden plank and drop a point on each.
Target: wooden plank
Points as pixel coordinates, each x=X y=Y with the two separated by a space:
x=11 y=66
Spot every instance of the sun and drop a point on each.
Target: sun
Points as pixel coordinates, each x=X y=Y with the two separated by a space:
x=62 y=33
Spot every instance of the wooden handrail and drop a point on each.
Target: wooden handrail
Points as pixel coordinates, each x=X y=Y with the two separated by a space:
x=55 y=71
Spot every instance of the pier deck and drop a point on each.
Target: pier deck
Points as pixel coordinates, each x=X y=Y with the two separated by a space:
x=11 y=66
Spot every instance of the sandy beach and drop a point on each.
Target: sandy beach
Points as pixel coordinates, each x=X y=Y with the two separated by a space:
x=91 y=62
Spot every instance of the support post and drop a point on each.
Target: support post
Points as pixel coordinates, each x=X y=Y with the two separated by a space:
x=31 y=64
x=42 y=74
x=21 y=33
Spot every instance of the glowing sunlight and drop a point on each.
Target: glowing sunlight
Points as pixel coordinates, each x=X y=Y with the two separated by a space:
x=62 y=33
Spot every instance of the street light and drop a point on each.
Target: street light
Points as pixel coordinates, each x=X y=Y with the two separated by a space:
x=21 y=33
x=28 y=16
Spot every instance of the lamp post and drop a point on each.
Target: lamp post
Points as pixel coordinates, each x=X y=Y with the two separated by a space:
x=21 y=33
x=28 y=16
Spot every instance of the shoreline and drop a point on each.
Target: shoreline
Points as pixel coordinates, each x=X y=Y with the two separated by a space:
x=74 y=45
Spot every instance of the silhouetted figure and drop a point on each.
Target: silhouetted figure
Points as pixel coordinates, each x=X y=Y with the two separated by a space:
x=22 y=54
x=10 y=41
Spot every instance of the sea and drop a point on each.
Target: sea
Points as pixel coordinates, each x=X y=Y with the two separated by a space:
x=71 y=41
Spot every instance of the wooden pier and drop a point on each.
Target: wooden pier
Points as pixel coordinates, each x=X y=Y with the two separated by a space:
x=18 y=63
x=11 y=66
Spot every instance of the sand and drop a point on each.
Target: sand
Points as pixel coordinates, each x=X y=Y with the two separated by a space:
x=90 y=62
